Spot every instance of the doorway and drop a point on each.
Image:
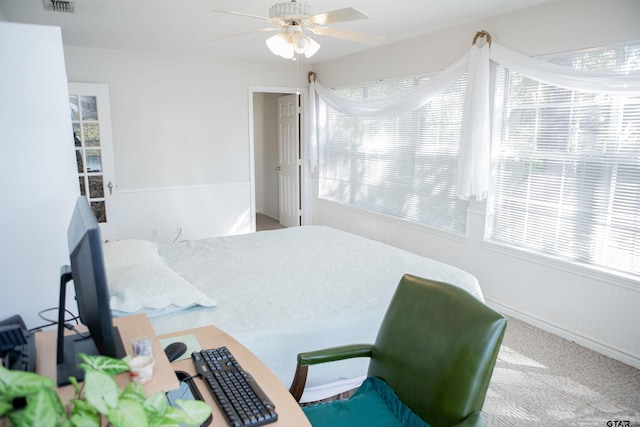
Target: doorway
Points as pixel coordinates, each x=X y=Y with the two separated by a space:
x=276 y=160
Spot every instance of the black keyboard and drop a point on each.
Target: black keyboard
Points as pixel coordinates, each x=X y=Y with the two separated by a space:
x=240 y=398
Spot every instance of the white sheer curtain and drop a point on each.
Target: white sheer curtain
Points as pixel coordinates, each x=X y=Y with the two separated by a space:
x=566 y=77
x=474 y=157
x=395 y=105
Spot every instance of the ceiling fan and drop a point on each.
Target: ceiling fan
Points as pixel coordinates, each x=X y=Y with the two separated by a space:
x=290 y=18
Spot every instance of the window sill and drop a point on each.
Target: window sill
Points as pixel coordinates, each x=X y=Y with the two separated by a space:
x=620 y=279
x=390 y=219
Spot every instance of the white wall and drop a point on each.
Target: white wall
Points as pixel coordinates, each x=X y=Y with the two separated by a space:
x=180 y=123
x=265 y=125
x=38 y=181
x=594 y=309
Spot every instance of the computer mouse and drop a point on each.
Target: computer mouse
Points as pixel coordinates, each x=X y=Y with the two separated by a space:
x=175 y=350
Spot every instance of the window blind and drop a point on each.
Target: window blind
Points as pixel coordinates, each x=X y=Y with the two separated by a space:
x=405 y=166
x=568 y=167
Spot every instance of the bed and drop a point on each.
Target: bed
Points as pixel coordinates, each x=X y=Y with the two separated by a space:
x=277 y=292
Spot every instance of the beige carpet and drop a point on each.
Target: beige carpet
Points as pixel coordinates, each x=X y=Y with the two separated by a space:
x=541 y=379
x=264 y=222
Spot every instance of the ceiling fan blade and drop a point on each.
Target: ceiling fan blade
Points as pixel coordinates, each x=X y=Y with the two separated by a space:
x=274 y=21
x=340 y=15
x=341 y=33
x=246 y=33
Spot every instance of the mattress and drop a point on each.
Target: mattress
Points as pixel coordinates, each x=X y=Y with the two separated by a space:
x=286 y=291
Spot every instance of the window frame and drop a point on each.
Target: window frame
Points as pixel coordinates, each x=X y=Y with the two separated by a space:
x=604 y=272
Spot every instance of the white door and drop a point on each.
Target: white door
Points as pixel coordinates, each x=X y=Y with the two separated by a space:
x=91 y=121
x=289 y=160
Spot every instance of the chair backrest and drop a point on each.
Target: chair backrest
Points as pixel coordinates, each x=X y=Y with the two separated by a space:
x=436 y=347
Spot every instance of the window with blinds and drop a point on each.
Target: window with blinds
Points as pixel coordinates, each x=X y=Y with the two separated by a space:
x=568 y=167
x=405 y=166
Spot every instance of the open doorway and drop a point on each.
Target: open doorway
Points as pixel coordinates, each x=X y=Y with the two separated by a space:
x=276 y=158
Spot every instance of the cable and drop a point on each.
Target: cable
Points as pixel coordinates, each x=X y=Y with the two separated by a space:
x=54 y=322
x=179 y=233
x=73 y=328
x=40 y=327
x=73 y=316
x=190 y=378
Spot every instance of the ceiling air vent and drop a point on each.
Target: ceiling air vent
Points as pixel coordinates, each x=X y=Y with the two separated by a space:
x=60 y=5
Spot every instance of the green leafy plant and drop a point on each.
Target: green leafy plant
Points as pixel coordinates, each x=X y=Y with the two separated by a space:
x=29 y=399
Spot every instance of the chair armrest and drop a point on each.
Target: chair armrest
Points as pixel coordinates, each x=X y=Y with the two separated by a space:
x=322 y=356
x=334 y=353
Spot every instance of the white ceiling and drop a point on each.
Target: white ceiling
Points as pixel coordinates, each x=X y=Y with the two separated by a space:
x=192 y=26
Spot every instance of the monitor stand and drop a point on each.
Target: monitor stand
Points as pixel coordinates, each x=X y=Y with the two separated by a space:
x=69 y=346
x=74 y=345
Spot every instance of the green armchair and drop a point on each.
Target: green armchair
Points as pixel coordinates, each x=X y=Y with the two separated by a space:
x=435 y=353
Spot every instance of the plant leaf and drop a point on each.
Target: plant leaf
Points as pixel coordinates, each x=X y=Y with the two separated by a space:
x=5 y=407
x=156 y=404
x=173 y=415
x=195 y=411
x=21 y=383
x=164 y=422
x=42 y=409
x=57 y=404
x=128 y=413
x=101 y=390
x=135 y=392
x=76 y=386
x=105 y=364
x=85 y=419
x=82 y=407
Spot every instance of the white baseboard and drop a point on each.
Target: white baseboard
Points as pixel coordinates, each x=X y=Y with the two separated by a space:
x=599 y=347
x=272 y=216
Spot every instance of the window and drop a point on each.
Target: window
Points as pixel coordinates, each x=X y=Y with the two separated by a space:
x=405 y=166
x=568 y=167
x=91 y=121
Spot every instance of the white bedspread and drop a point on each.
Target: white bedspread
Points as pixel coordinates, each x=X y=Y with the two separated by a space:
x=298 y=289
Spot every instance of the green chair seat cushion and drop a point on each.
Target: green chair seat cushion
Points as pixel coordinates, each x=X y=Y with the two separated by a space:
x=373 y=404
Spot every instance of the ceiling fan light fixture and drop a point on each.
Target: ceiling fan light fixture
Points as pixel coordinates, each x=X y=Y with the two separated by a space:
x=292 y=41
x=300 y=42
x=312 y=48
x=281 y=46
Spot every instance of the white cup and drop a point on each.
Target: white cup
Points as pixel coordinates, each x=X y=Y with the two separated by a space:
x=141 y=369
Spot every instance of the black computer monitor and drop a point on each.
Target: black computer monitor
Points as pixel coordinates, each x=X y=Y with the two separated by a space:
x=87 y=270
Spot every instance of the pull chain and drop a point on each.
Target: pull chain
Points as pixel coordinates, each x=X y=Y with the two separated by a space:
x=297 y=75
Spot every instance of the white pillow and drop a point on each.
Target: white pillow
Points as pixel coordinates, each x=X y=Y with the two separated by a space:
x=122 y=253
x=151 y=285
x=139 y=279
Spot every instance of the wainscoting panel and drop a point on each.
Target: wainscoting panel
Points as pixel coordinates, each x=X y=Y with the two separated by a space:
x=174 y=214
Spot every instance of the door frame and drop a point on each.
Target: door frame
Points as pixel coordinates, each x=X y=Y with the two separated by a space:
x=252 y=163
x=102 y=92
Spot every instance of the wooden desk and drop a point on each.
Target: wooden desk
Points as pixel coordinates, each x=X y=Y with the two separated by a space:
x=289 y=412
x=130 y=328
x=164 y=378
